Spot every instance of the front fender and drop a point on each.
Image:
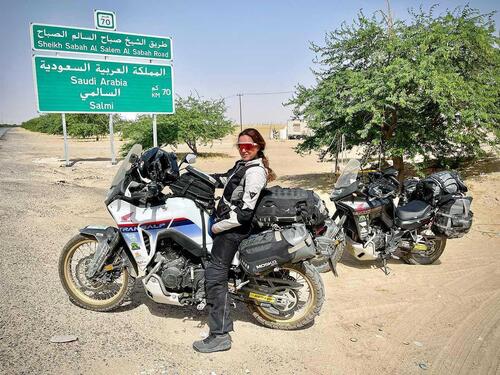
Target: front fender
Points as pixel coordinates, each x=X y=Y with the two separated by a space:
x=103 y=233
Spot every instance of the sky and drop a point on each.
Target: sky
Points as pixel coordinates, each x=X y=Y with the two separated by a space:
x=220 y=48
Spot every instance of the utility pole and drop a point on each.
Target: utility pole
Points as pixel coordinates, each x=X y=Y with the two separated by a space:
x=389 y=16
x=241 y=118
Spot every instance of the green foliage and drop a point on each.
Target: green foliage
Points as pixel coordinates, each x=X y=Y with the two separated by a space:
x=195 y=121
x=84 y=130
x=427 y=86
x=49 y=123
x=79 y=125
x=141 y=132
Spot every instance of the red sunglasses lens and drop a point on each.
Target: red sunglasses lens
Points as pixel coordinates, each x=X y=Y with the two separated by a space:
x=245 y=147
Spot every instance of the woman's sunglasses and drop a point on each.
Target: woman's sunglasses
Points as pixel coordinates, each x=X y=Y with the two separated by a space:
x=246 y=146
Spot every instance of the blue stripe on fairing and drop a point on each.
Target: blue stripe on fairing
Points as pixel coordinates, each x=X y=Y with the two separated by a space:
x=190 y=230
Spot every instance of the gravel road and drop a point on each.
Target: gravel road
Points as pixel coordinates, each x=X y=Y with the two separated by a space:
x=442 y=319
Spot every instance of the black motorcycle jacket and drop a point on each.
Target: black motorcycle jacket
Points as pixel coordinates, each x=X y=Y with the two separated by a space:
x=242 y=186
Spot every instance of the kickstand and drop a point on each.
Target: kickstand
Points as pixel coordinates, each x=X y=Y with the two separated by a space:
x=384 y=266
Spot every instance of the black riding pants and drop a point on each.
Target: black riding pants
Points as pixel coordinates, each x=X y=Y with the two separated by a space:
x=216 y=277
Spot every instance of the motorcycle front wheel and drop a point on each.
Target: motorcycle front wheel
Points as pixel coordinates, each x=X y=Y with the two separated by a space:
x=435 y=248
x=303 y=305
x=103 y=294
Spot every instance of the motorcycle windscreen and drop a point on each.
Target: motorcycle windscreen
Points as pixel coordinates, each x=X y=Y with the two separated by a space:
x=126 y=163
x=349 y=174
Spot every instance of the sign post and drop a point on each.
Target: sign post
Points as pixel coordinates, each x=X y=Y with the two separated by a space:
x=155 y=133
x=111 y=139
x=99 y=42
x=97 y=86
x=85 y=85
x=65 y=135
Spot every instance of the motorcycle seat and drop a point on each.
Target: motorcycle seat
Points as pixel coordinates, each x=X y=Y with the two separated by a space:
x=413 y=210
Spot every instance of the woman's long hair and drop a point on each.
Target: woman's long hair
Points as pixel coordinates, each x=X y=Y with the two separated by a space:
x=257 y=138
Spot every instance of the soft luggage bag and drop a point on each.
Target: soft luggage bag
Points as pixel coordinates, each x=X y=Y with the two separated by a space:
x=284 y=206
x=454 y=218
x=265 y=250
x=439 y=187
x=197 y=186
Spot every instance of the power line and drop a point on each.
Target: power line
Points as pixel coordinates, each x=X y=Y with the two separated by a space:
x=268 y=93
x=240 y=95
x=258 y=93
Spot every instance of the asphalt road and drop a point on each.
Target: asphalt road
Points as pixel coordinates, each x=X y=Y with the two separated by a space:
x=3 y=131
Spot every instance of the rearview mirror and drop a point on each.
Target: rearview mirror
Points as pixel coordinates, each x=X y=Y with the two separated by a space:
x=191 y=158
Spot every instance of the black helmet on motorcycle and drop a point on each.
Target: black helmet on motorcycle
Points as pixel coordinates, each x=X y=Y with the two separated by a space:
x=158 y=166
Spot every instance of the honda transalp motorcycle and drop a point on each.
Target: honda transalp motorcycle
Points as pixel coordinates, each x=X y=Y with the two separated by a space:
x=166 y=241
x=415 y=230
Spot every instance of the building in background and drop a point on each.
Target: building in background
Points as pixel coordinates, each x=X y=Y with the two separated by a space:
x=297 y=129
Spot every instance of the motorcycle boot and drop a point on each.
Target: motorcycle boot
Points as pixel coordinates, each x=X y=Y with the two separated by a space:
x=213 y=343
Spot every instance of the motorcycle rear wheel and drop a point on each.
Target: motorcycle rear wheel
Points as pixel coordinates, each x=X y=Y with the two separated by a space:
x=90 y=294
x=428 y=256
x=307 y=275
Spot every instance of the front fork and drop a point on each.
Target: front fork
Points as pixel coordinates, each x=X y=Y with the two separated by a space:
x=109 y=239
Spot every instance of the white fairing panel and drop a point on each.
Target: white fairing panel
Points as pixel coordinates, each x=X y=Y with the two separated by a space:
x=141 y=226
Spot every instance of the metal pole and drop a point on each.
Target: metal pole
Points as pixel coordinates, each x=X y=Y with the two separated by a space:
x=241 y=118
x=389 y=16
x=111 y=139
x=155 y=135
x=65 y=140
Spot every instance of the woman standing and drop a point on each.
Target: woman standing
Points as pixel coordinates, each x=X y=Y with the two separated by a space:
x=242 y=186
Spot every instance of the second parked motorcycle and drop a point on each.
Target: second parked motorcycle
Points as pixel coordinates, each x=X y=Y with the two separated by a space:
x=429 y=212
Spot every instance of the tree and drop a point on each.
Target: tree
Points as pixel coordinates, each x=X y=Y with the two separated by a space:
x=88 y=125
x=195 y=121
x=426 y=86
x=79 y=125
x=140 y=131
x=200 y=121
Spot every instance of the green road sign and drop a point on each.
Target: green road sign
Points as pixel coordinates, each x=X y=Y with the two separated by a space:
x=75 y=85
x=104 y=20
x=80 y=40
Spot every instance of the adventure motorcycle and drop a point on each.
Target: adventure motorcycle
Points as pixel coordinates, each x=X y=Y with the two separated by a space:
x=166 y=241
x=429 y=212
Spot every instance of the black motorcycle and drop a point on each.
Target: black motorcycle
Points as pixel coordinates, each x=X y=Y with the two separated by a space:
x=415 y=230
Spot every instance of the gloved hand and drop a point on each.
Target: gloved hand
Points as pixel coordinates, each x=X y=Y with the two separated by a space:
x=215 y=229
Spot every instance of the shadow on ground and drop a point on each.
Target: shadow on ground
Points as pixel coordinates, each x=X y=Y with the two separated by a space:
x=350 y=261
x=72 y=162
x=322 y=182
x=184 y=313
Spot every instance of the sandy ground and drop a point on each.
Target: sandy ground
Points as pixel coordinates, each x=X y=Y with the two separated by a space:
x=438 y=319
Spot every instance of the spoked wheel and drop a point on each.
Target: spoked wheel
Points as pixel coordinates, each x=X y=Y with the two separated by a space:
x=104 y=293
x=431 y=250
x=294 y=308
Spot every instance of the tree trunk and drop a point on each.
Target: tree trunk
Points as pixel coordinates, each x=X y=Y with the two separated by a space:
x=398 y=163
x=387 y=134
x=192 y=146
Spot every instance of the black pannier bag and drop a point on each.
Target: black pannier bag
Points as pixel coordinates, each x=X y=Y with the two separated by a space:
x=454 y=218
x=197 y=186
x=440 y=187
x=284 y=206
x=266 y=250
